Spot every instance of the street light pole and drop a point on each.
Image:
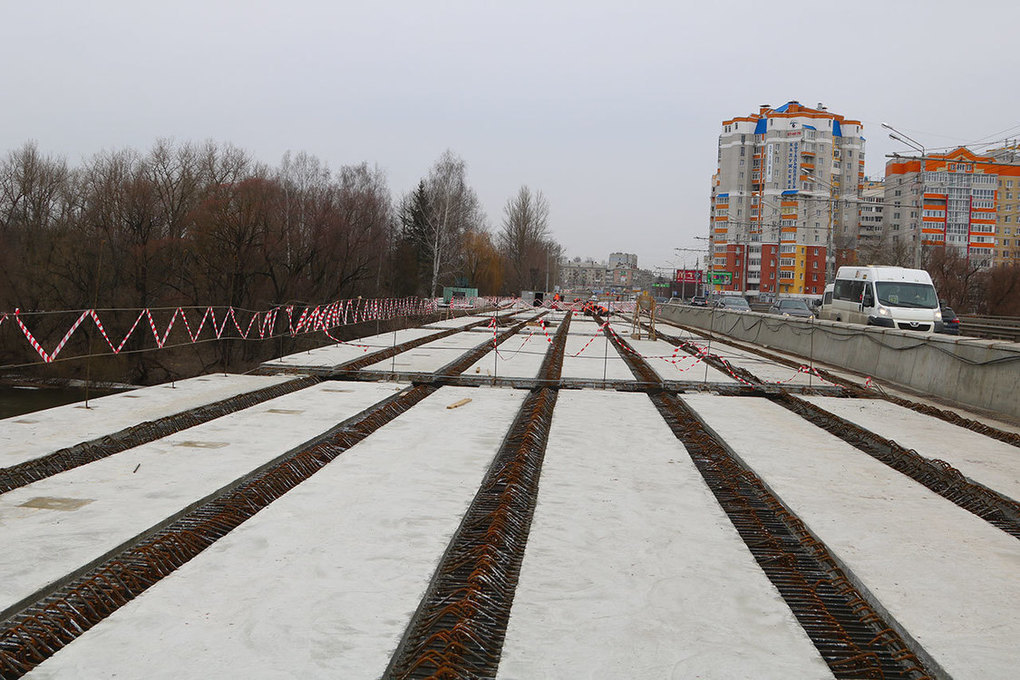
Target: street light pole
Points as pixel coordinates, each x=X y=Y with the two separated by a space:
x=916 y=146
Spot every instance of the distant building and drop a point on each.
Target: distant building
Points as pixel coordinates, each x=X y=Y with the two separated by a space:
x=619 y=275
x=625 y=259
x=784 y=198
x=869 y=215
x=1007 y=235
x=953 y=201
x=578 y=274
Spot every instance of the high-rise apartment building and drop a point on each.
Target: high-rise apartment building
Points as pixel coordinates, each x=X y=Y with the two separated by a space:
x=784 y=198
x=1007 y=232
x=869 y=230
x=956 y=200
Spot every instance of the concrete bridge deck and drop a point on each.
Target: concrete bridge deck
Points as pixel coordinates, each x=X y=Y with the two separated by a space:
x=630 y=566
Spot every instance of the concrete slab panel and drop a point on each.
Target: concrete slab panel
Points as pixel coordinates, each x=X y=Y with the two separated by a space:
x=950 y=579
x=982 y=459
x=336 y=354
x=122 y=496
x=632 y=570
x=27 y=438
x=321 y=583
x=460 y=321
x=593 y=357
x=519 y=357
x=432 y=355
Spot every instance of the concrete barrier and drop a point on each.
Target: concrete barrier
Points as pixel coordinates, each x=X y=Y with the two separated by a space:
x=970 y=371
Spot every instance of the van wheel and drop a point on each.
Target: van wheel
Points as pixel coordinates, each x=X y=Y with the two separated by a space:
x=839 y=318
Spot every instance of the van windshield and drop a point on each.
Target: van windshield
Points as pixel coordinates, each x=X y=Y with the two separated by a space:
x=902 y=294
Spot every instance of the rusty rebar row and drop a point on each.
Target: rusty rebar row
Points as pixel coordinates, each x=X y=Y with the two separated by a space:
x=459 y=627
x=552 y=366
x=847 y=630
x=955 y=418
x=860 y=391
x=71 y=457
x=41 y=629
x=938 y=475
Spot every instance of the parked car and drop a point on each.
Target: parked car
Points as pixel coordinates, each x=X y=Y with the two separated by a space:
x=734 y=302
x=699 y=301
x=950 y=322
x=791 y=307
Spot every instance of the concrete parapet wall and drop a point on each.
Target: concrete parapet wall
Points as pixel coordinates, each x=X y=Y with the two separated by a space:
x=972 y=372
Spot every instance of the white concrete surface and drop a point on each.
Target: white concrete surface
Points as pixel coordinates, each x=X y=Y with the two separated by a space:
x=432 y=355
x=632 y=570
x=321 y=583
x=57 y=525
x=336 y=354
x=29 y=436
x=459 y=322
x=593 y=360
x=583 y=325
x=520 y=356
x=949 y=578
x=768 y=371
x=670 y=363
x=982 y=459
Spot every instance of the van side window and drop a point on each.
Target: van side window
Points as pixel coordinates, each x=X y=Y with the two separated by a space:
x=841 y=289
x=869 y=298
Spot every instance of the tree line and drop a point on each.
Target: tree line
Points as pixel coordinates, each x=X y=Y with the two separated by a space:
x=186 y=224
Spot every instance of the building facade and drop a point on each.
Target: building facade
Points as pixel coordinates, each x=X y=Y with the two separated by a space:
x=869 y=216
x=1007 y=233
x=956 y=200
x=784 y=199
x=622 y=259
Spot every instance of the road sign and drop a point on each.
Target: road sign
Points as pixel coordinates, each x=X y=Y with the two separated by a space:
x=721 y=278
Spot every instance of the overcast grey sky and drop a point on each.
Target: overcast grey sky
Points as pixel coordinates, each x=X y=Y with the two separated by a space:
x=611 y=109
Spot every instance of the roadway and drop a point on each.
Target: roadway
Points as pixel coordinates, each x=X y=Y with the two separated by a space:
x=531 y=494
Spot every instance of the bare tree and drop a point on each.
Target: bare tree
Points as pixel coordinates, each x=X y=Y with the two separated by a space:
x=524 y=241
x=453 y=209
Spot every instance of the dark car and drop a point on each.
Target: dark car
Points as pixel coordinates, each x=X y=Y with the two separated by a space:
x=950 y=322
x=789 y=307
x=734 y=302
x=699 y=301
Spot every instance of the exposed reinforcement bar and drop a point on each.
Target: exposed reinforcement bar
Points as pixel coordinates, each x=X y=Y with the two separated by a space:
x=87 y=452
x=41 y=628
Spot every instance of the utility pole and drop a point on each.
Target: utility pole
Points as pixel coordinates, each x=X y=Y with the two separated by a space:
x=916 y=146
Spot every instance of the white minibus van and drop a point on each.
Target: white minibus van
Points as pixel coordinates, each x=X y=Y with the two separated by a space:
x=894 y=297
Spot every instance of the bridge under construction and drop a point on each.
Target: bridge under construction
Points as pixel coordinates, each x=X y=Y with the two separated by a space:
x=521 y=493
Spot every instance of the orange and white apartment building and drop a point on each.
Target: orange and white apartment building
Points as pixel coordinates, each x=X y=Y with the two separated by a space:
x=784 y=197
x=963 y=204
